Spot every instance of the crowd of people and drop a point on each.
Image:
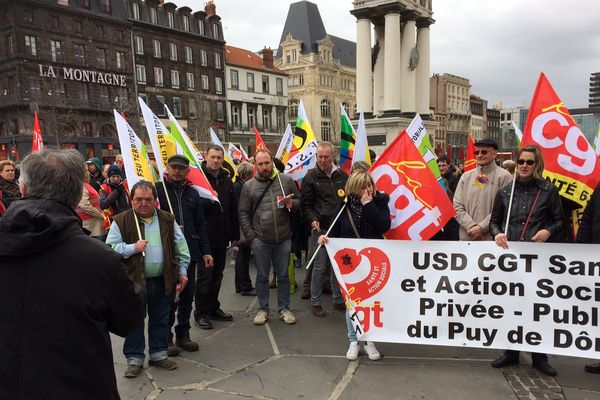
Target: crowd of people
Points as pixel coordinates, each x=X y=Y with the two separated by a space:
x=169 y=248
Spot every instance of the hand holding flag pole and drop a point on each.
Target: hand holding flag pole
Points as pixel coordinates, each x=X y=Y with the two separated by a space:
x=327 y=233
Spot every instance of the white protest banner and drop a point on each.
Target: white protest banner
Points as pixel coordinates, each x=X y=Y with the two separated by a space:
x=538 y=297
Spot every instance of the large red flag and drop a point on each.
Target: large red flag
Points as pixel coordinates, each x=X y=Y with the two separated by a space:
x=37 y=144
x=470 y=162
x=570 y=160
x=260 y=144
x=418 y=204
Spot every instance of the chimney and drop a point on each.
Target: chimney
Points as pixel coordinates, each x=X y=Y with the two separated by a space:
x=210 y=8
x=267 y=55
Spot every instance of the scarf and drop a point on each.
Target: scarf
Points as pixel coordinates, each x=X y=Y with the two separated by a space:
x=356 y=209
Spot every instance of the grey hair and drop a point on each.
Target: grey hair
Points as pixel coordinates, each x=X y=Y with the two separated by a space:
x=54 y=175
x=329 y=145
x=246 y=170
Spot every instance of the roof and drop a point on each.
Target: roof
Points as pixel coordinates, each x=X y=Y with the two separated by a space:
x=246 y=58
x=304 y=23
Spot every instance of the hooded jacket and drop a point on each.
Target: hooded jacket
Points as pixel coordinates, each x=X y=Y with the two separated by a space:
x=62 y=294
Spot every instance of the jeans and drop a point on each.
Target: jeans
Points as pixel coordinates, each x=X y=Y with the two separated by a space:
x=184 y=306
x=243 y=282
x=319 y=268
x=208 y=284
x=158 y=306
x=350 y=329
x=277 y=254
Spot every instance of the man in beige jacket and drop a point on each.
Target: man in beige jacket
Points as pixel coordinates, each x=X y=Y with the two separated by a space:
x=476 y=190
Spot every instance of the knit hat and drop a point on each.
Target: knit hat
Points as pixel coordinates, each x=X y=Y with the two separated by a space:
x=114 y=170
x=96 y=162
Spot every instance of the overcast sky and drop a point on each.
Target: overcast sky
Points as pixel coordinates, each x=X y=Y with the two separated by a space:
x=501 y=46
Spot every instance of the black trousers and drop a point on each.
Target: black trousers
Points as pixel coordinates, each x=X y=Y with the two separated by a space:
x=208 y=284
x=184 y=306
x=536 y=357
x=243 y=282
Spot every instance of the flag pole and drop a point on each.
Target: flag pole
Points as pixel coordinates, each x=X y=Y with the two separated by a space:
x=512 y=193
x=327 y=234
x=139 y=231
x=167 y=196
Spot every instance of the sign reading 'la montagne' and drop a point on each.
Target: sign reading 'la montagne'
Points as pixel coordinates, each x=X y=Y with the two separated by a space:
x=82 y=75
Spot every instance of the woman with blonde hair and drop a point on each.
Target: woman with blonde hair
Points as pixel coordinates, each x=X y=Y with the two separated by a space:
x=367 y=216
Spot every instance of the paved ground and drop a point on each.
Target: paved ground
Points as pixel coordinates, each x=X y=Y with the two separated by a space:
x=307 y=361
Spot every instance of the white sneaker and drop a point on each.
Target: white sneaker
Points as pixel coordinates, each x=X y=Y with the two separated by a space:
x=287 y=316
x=261 y=317
x=352 y=353
x=371 y=351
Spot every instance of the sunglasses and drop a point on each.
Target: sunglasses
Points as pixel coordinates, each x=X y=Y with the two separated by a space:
x=482 y=152
x=528 y=162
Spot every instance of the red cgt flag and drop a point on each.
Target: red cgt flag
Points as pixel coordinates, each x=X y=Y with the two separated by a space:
x=418 y=204
x=37 y=144
x=260 y=144
x=570 y=160
x=470 y=162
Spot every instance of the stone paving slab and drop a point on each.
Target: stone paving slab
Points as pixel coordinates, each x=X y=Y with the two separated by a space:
x=289 y=377
x=132 y=389
x=188 y=372
x=579 y=394
x=202 y=394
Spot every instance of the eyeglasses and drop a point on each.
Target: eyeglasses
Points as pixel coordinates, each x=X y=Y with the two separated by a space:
x=482 y=152
x=528 y=162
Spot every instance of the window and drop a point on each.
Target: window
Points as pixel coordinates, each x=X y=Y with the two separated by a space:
x=61 y=91
x=293 y=109
x=326 y=131
x=84 y=94
x=325 y=113
x=186 y=22
x=280 y=125
x=105 y=7
x=251 y=116
x=188 y=55
x=54 y=21
x=201 y=26
x=99 y=31
x=144 y=97
x=56 y=51
x=158 y=76
x=173 y=51
x=218 y=85
x=35 y=90
x=139 y=45
x=77 y=26
x=189 y=79
x=235 y=116
x=156 y=48
x=216 y=31
x=28 y=16
x=203 y=58
x=170 y=19
x=140 y=74
x=153 y=15
x=265 y=84
x=8 y=41
x=205 y=83
x=136 y=10
x=30 y=45
x=101 y=58
x=220 y=111
x=234 y=79
x=250 y=81
x=86 y=129
x=120 y=60
x=291 y=56
x=175 y=79
x=279 y=86
x=79 y=51
x=160 y=105
x=120 y=36
x=176 y=106
x=346 y=108
x=206 y=106
x=192 y=108
x=266 y=119
x=217 y=60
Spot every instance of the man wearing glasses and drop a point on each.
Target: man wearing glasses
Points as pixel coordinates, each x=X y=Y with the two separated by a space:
x=476 y=190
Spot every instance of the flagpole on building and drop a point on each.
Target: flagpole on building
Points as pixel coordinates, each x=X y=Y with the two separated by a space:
x=327 y=233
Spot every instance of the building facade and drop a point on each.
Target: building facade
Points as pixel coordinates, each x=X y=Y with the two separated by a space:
x=595 y=90
x=74 y=61
x=257 y=96
x=321 y=71
x=477 y=128
x=493 y=124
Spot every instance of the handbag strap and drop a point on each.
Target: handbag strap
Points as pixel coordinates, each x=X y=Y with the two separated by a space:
x=260 y=198
x=530 y=213
x=352 y=223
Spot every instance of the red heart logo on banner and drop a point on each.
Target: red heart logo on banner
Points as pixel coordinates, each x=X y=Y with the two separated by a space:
x=348 y=260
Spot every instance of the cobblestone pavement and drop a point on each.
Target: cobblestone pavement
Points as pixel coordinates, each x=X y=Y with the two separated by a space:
x=238 y=360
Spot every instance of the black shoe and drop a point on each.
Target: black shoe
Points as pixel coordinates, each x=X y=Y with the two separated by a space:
x=251 y=292
x=593 y=368
x=505 y=361
x=305 y=294
x=544 y=368
x=238 y=290
x=220 y=315
x=204 y=323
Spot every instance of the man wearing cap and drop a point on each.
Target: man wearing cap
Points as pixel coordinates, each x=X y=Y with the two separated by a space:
x=185 y=204
x=95 y=167
x=114 y=196
x=476 y=190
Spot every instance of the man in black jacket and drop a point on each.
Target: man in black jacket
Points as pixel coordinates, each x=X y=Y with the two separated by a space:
x=222 y=228
x=589 y=232
x=62 y=291
x=322 y=193
x=185 y=203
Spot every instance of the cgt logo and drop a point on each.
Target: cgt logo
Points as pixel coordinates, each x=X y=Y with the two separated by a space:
x=348 y=261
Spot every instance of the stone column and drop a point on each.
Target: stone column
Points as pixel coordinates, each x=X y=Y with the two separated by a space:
x=423 y=68
x=408 y=71
x=391 y=73
x=378 y=83
x=364 y=82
